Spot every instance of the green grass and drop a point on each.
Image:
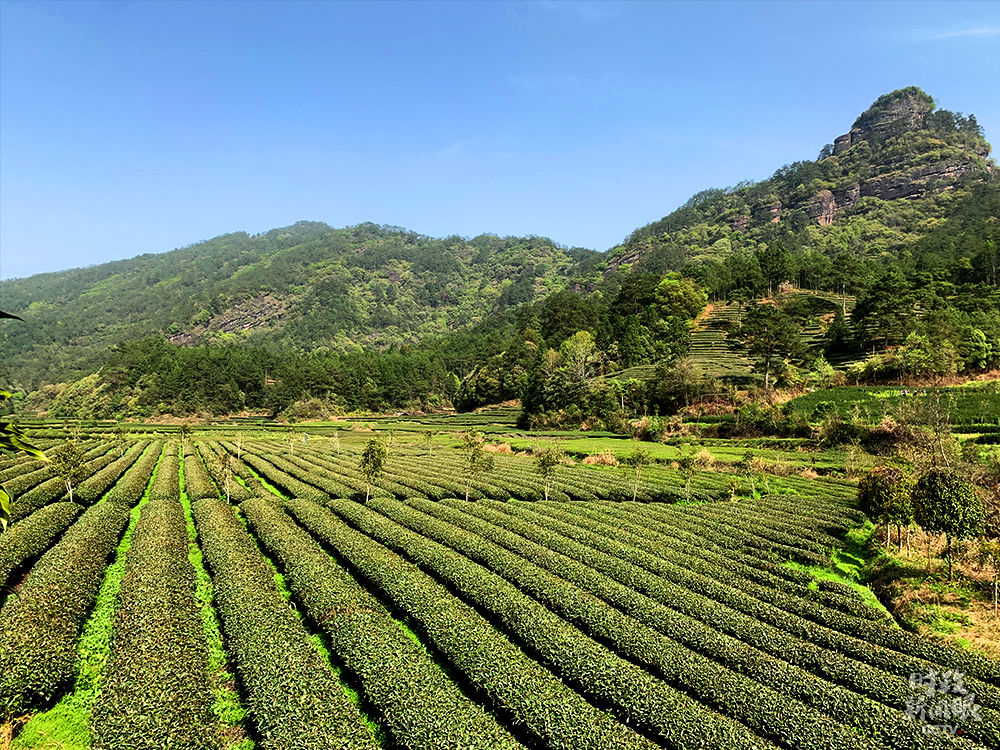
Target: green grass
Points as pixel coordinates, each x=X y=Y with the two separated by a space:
x=849 y=567
x=67 y=724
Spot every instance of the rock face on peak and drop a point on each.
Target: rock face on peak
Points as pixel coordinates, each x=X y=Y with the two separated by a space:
x=891 y=114
x=902 y=157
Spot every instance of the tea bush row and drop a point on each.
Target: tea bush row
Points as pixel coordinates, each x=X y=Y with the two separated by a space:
x=93 y=487
x=888 y=724
x=421 y=705
x=39 y=627
x=816 y=648
x=32 y=536
x=130 y=488
x=155 y=682
x=643 y=700
x=528 y=693
x=294 y=697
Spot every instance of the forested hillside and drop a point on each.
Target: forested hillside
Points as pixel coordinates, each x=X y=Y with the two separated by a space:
x=302 y=288
x=882 y=256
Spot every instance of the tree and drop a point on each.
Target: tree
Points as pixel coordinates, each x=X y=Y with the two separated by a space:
x=477 y=460
x=945 y=503
x=372 y=463
x=774 y=265
x=989 y=557
x=547 y=460
x=768 y=335
x=67 y=463
x=637 y=460
x=884 y=496
x=688 y=465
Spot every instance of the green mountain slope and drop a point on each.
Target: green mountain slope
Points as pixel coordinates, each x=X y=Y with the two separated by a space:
x=903 y=169
x=304 y=287
x=900 y=216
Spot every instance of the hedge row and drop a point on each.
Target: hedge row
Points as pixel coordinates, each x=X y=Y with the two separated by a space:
x=21 y=483
x=198 y=485
x=643 y=700
x=790 y=597
x=705 y=547
x=240 y=469
x=37 y=497
x=11 y=467
x=767 y=711
x=295 y=699
x=24 y=481
x=39 y=627
x=864 y=668
x=527 y=692
x=345 y=481
x=32 y=536
x=130 y=488
x=421 y=705
x=737 y=536
x=329 y=482
x=281 y=479
x=887 y=724
x=772 y=524
x=167 y=482
x=226 y=481
x=874 y=633
x=155 y=682
x=93 y=487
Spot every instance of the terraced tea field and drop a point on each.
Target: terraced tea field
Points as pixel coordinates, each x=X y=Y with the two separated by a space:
x=218 y=594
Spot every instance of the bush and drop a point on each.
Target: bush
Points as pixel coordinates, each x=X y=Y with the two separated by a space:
x=296 y=700
x=39 y=627
x=155 y=683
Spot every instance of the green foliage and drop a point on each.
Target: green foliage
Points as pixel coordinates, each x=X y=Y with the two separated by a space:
x=156 y=677
x=945 y=503
x=547 y=462
x=39 y=627
x=423 y=708
x=884 y=496
x=13 y=440
x=67 y=462
x=33 y=536
x=538 y=700
x=769 y=336
x=477 y=460
x=295 y=698
x=372 y=463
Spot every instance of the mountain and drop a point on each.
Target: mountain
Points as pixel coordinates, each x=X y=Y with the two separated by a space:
x=901 y=214
x=305 y=287
x=902 y=169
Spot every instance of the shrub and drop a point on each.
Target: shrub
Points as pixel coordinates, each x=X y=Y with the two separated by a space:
x=39 y=627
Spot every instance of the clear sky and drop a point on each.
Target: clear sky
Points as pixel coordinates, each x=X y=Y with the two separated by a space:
x=135 y=127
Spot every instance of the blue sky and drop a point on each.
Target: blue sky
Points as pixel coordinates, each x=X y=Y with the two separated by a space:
x=134 y=127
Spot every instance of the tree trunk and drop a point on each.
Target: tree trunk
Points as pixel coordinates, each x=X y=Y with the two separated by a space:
x=69 y=489
x=947 y=553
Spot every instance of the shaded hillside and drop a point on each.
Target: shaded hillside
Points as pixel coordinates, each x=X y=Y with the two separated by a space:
x=304 y=287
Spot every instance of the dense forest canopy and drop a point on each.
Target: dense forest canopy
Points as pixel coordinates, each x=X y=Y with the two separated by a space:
x=899 y=216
